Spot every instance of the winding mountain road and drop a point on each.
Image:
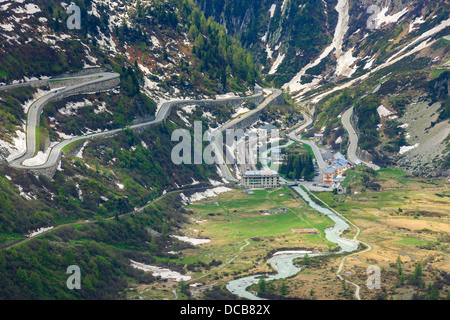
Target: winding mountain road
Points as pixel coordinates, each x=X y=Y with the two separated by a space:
x=163 y=110
x=294 y=136
x=220 y=159
x=35 y=111
x=351 y=152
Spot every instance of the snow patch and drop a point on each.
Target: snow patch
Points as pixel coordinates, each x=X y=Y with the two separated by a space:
x=80 y=153
x=383 y=19
x=17 y=147
x=155 y=42
x=71 y=107
x=40 y=158
x=369 y=64
x=160 y=272
x=383 y=111
x=225 y=96
x=405 y=149
x=269 y=51
x=38 y=232
x=344 y=62
x=239 y=111
x=277 y=63
x=415 y=24
x=283 y=6
x=192 y=241
x=182 y=117
x=198 y=196
x=272 y=10
x=7 y=26
x=102 y=108
x=214 y=182
x=144 y=69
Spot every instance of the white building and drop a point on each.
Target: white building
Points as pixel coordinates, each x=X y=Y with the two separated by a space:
x=261 y=179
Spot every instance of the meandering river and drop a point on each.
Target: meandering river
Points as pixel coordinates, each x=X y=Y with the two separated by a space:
x=282 y=261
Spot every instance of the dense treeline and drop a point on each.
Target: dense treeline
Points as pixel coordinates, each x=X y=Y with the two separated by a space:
x=438 y=91
x=368 y=119
x=221 y=58
x=215 y=49
x=298 y=166
x=219 y=54
x=36 y=59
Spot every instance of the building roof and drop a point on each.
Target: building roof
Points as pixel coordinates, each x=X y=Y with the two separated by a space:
x=337 y=165
x=341 y=162
x=305 y=230
x=339 y=156
x=268 y=127
x=330 y=170
x=260 y=173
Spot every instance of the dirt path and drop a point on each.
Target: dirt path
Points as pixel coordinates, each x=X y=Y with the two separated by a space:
x=341 y=265
x=136 y=211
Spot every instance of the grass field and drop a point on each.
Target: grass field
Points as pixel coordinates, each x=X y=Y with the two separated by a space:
x=408 y=217
x=301 y=148
x=239 y=216
x=242 y=236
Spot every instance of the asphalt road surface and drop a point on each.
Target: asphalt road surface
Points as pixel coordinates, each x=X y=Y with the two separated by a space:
x=34 y=113
x=37 y=107
x=293 y=135
x=351 y=152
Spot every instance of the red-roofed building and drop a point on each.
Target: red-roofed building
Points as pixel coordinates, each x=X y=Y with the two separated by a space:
x=306 y=231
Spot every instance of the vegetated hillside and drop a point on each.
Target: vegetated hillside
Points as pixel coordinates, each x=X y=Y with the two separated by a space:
x=101 y=249
x=97 y=180
x=401 y=113
x=162 y=50
x=361 y=45
x=170 y=42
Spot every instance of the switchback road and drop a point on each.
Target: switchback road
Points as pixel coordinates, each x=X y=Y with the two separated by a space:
x=163 y=110
x=351 y=152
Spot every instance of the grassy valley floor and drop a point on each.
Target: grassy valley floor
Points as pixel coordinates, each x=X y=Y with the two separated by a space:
x=407 y=218
x=405 y=221
x=243 y=234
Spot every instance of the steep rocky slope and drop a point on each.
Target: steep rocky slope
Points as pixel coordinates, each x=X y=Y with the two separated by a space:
x=346 y=44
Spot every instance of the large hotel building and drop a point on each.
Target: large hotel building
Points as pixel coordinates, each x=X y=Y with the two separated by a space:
x=261 y=179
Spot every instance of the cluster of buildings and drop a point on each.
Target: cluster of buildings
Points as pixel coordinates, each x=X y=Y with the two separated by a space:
x=334 y=174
